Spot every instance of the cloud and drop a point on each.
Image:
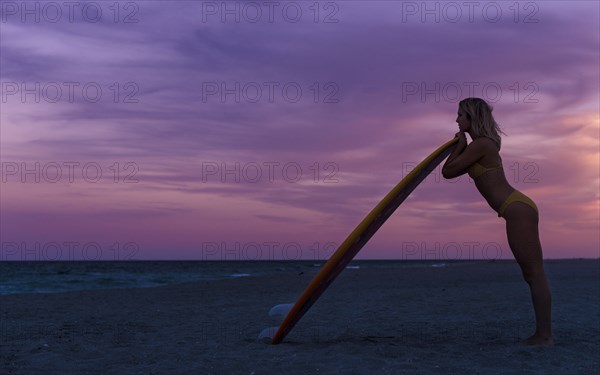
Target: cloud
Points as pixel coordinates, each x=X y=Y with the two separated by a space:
x=367 y=63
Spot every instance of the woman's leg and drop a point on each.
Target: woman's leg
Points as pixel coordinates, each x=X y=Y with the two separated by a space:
x=523 y=239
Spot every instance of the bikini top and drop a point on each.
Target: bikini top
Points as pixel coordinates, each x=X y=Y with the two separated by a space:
x=477 y=170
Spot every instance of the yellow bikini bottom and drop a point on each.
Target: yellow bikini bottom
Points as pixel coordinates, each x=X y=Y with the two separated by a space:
x=516 y=196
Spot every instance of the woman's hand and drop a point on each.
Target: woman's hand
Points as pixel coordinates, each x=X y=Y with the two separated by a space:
x=461 y=137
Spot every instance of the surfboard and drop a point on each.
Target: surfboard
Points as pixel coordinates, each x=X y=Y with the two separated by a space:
x=360 y=236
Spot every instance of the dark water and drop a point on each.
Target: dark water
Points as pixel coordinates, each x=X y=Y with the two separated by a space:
x=53 y=277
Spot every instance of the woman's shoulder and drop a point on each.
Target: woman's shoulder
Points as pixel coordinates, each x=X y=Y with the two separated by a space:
x=489 y=150
x=486 y=143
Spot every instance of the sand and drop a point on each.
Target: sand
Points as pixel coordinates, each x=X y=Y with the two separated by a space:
x=462 y=319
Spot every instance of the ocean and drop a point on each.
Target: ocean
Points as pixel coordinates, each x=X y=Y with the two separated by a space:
x=62 y=276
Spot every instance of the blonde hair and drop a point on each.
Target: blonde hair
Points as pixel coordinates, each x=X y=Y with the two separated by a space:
x=479 y=112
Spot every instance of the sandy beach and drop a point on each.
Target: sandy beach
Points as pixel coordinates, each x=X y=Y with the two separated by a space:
x=460 y=319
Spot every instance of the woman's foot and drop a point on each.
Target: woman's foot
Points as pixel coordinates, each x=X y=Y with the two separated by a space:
x=538 y=340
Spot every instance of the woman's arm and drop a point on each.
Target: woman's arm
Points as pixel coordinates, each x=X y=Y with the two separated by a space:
x=462 y=145
x=464 y=156
x=460 y=148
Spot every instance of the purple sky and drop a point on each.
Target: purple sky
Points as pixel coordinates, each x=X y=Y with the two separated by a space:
x=379 y=85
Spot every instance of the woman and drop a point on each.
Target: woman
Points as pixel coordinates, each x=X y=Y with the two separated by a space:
x=481 y=159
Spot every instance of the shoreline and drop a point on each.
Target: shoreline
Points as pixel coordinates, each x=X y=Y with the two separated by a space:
x=236 y=269
x=452 y=320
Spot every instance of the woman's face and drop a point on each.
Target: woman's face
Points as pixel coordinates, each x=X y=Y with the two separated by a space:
x=464 y=124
